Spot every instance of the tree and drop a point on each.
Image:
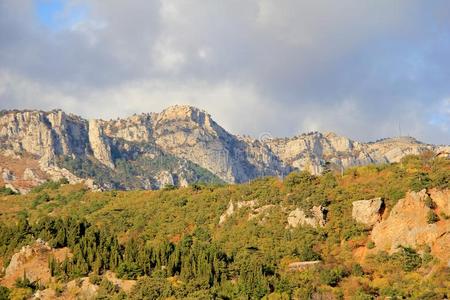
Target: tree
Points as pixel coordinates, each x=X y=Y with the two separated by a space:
x=4 y=293
x=251 y=280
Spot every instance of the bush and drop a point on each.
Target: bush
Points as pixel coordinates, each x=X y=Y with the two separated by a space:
x=370 y=245
x=95 y=279
x=441 y=179
x=40 y=199
x=25 y=283
x=407 y=258
x=333 y=276
x=129 y=270
x=107 y=289
x=151 y=288
x=420 y=181
x=445 y=216
x=4 y=191
x=4 y=293
x=426 y=256
x=307 y=253
x=48 y=185
x=432 y=217
x=357 y=270
x=169 y=187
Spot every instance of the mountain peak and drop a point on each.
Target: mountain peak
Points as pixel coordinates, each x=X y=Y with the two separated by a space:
x=183 y=109
x=186 y=113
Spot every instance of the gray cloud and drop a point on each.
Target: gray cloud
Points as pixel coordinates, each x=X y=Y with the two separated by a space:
x=360 y=68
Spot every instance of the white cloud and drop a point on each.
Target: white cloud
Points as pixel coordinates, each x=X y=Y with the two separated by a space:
x=166 y=57
x=355 y=67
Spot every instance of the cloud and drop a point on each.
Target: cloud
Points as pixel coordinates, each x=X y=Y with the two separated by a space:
x=360 y=68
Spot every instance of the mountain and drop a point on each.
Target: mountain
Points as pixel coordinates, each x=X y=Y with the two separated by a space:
x=178 y=146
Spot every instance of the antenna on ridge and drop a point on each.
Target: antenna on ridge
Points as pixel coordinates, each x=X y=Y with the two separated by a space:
x=399 y=129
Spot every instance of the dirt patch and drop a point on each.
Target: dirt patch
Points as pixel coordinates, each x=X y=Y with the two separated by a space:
x=125 y=285
x=32 y=261
x=19 y=167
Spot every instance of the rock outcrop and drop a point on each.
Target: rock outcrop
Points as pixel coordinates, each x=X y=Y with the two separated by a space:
x=408 y=224
x=368 y=212
x=298 y=217
x=32 y=261
x=303 y=265
x=187 y=142
x=233 y=207
x=100 y=146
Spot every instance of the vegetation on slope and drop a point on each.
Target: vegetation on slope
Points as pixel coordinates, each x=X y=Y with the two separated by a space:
x=171 y=243
x=135 y=174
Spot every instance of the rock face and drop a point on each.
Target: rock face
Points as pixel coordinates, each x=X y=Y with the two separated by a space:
x=232 y=208
x=183 y=141
x=316 y=151
x=100 y=147
x=303 y=265
x=298 y=217
x=407 y=225
x=368 y=212
x=33 y=261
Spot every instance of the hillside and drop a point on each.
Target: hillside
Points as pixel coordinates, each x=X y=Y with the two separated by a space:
x=373 y=231
x=178 y=146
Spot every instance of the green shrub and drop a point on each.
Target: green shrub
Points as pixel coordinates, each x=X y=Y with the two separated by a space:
x=4 y=191
x=357 y=270
x=129 y=270
x=4 y=293
x=420 y=181
x=432 y=217
x=407 y=258
x=24 y=283
x=95 y=279
x=307 y=253
x=151 y=288
x=39 y=199
x=370 y=245
x=169 y=187
x=429 y=203
x=333 y=276
x=444 y=216
x=441 y=179
x=48 y=185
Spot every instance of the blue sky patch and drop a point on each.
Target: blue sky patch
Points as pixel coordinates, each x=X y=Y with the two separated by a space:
x=59 y=14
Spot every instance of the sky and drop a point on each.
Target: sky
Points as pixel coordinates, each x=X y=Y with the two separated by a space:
x=364 y=69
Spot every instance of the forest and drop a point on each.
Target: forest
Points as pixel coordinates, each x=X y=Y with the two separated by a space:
x=172 y=244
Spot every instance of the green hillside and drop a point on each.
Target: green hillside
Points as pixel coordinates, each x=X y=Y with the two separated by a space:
x=171 y=241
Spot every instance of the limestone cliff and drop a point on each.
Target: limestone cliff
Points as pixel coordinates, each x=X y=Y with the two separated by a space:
x=183 y=143
x=408 y=224
x=316 y=151
x=99 y=144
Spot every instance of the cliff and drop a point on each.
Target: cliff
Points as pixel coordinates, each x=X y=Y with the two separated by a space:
x=180 y=145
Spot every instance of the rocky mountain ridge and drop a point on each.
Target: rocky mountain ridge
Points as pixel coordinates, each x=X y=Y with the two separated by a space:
x=180 y=145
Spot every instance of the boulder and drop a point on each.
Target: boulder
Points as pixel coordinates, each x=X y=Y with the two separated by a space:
x=442 y=200
x=233 y=207
x=303 y=265
x=28 y=174
x=368 y=212
x=7 y=175
x=298 y=217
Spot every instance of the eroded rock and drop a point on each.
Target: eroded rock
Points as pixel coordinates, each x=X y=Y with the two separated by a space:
x=100 y=147
x=303 y=265
x=368 y=212
x=298 y=217
x=407 y=225
x=233 y=207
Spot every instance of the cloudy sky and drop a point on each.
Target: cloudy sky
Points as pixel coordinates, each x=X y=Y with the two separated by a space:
x=364 y=69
